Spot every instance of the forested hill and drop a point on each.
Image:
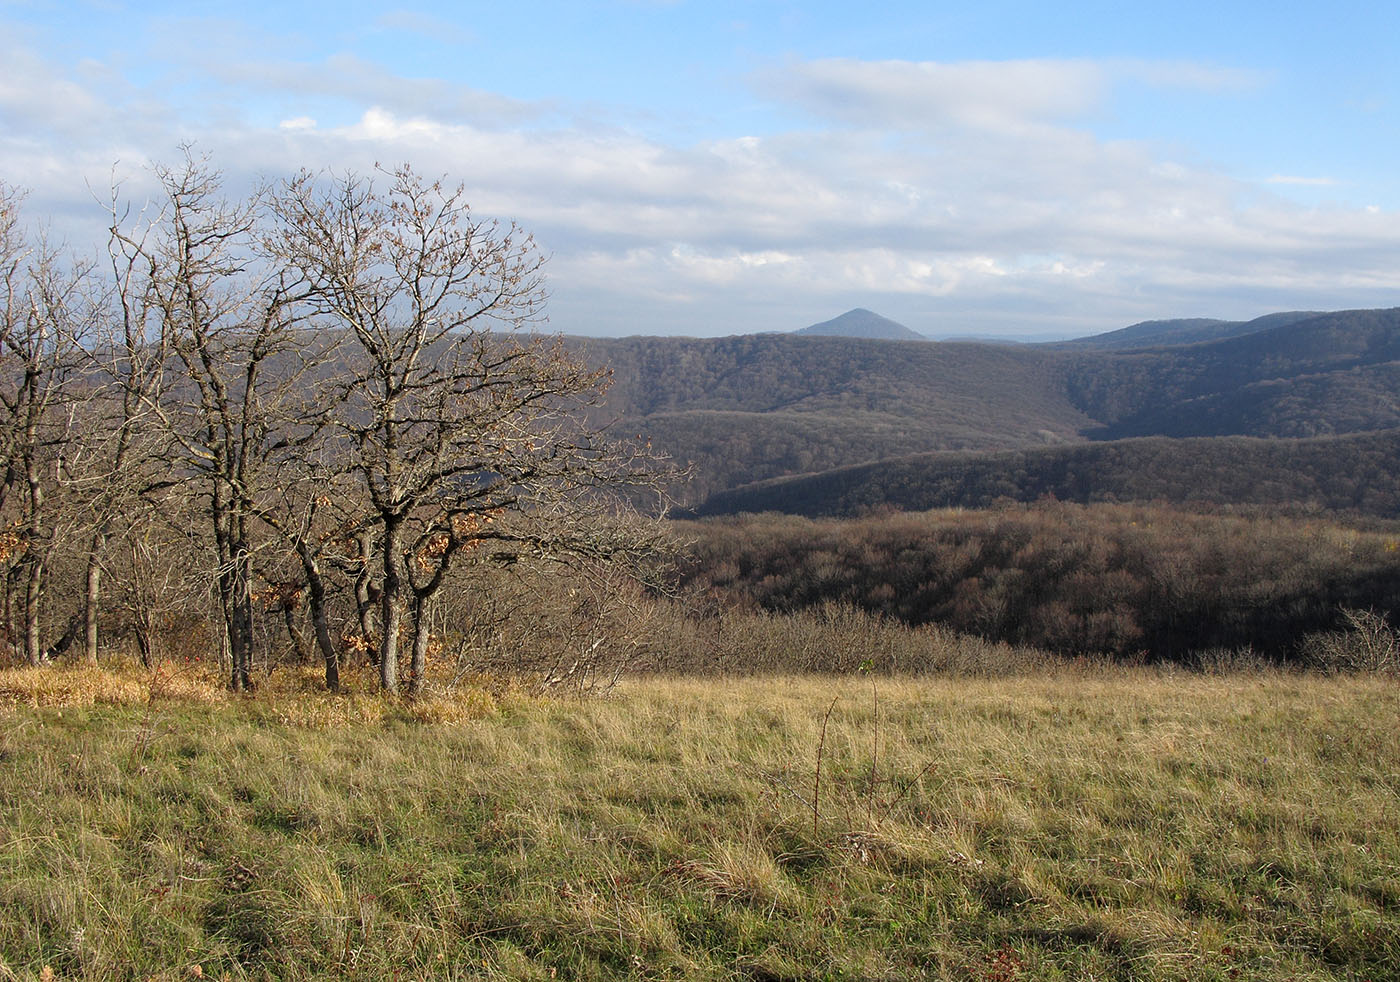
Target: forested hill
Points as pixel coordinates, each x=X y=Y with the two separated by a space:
x=1333 y=373
x=1354 y=474
x=1156 y=334
x=765 y=373
x=754 y=407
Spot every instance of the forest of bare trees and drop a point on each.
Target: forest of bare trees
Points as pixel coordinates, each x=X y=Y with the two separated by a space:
x=322 y=408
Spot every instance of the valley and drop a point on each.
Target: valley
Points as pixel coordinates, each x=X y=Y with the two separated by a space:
x=761 y=407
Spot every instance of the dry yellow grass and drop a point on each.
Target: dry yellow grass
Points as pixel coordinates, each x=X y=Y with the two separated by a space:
x=117 y=683
x=293 y=695
x=1112 y=824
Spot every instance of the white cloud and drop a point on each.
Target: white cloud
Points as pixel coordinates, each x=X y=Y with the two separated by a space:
x=1185 y=75
x=34 y=98
x=352 y=80
x=997 y=207
x=1004 y=95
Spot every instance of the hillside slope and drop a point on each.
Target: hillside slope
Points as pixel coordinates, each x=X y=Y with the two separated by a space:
x=754 y=407
x=1354 y=473
x=1256 y=384
x=1192 y=330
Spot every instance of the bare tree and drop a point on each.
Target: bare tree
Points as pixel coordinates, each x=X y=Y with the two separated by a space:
x=466 y=441
x=228 y=318
x=123 y=442
x=337 y=379
x=46 y=311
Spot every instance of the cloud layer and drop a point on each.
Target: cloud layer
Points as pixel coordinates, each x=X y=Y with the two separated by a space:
x=954 y=197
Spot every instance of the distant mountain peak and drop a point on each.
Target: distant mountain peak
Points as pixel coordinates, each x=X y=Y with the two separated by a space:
x=862 y=323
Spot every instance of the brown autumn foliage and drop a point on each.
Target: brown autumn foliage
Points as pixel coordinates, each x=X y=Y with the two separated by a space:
x=1127 y=580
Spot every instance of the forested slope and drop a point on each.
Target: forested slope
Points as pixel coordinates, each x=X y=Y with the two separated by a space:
x=750 y=407
x=1160 y=333
x=1119 y=579
x=1355 y=474
x=755 y=407
x=1260 y=384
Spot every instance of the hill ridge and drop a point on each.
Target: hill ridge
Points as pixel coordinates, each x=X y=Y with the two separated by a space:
x=1182 y=331
x=750 y=407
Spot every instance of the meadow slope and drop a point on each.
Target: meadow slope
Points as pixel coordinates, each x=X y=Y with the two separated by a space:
x=1072 y=825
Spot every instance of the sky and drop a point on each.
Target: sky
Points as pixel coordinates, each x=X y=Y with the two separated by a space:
x=1009 y=168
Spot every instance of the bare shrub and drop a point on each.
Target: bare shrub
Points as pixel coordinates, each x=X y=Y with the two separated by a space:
x=1230 y=661
x=561 y=630
x=833 y=638
x=1367 y=644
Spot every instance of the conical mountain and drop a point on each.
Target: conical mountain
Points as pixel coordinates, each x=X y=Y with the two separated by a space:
x=862 y=323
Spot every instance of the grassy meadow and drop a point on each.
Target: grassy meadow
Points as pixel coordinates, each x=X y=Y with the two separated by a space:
x=1092 y=823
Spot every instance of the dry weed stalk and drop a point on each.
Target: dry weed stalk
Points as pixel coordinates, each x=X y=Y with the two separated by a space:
x=817 y=782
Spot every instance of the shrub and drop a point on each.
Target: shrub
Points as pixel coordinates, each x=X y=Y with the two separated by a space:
x=1367 y=644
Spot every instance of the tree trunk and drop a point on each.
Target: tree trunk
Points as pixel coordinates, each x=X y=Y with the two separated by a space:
x=145 y=644
x=11 y=593
x=289 y=617
x=421 y=637
x=316 y=599
x=235 y=582
x=365 y=592
x=391 y=606
x=241 y=620
x=92 y=599
x=142 y=613
x=33 y=590
x=35 y=559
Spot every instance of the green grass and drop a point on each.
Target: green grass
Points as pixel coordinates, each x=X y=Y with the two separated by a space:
x=1124 y=825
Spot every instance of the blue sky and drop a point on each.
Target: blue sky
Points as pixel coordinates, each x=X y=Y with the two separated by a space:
x=1012 y=168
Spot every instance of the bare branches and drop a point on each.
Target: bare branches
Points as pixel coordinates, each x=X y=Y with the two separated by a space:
x=459 y=432
x=333 y=375
x=195 y=284
x=49 y=312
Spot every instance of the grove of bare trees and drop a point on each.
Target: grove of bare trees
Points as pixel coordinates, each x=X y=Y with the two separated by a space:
x=324 y=406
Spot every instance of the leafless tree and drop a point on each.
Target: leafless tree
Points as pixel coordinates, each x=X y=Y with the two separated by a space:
x=463 y=434
x=126 y=452
x=344 y=384
x=311 y=509
x=46 y=312
x=229 y=320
